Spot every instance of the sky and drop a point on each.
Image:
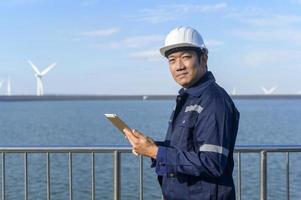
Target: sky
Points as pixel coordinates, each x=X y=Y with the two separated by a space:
x=112 y=47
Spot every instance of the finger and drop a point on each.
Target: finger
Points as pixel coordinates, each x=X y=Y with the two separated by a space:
x=134 y=152
x=137 y=133
x=132 y=138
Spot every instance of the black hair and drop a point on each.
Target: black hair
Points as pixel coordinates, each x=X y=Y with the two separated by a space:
x=199 y=52
x=174 y=50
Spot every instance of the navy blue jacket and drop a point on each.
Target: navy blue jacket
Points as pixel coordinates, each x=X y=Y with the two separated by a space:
x=196 y=159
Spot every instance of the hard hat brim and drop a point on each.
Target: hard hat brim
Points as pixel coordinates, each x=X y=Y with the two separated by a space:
x=167 y=48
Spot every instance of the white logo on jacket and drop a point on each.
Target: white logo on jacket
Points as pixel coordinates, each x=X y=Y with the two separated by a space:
x=195 y=107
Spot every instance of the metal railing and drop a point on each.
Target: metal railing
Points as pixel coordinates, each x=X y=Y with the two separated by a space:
x=117 y=150
x=263 y=150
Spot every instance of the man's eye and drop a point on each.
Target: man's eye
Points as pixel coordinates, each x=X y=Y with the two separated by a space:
x=171 y=60
x=186 y=57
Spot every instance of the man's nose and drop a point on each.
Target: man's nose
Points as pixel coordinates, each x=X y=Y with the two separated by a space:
x=180 y=65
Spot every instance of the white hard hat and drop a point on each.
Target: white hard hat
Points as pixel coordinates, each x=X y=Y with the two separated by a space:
x=183 y=37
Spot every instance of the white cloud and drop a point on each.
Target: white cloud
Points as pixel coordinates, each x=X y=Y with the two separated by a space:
x=261 y=16
x=274 y=20
x=21 y=2
x=296 y=1
x=136 y=42
x=272 y=58
x=171 y=12
x=101 y=32
x=213 y=43
x=151 y=55
x=277 y=36
x=86 y=3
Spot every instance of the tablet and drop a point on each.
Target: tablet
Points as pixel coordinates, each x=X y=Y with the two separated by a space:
x=117 y=122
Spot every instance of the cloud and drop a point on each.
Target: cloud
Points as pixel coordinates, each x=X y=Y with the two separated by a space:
x=21 y=2
x=100 y=32
x=274 y=20
x=136 y=42
x=271 y=35
x=213 y=43
x=261 y=17
x=150 y=55
x=268 y=57
x=86 y=3
x=296 y=2
x=166 y=13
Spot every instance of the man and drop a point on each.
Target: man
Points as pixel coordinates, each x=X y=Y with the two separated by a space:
x=196 y=159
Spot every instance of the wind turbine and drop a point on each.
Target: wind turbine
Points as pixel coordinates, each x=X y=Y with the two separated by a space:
x=1 y=84
x=270 y=91
x=8 y=93
x=39 y=75
x=233 y=92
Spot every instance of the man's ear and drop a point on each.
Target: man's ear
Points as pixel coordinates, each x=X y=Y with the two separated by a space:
x=204 y=58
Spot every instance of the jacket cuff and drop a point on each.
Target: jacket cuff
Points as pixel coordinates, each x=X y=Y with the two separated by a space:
x=161 y=159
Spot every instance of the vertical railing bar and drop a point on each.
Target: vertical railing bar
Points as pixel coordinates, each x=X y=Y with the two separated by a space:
x=25 y=177
x=116 y=191
x=48 y=174
x=141 y=177
x=70 y=176
x=287 y=176
x=3 y=176
x=263 y=175
x=239 y=176
x=93 y=176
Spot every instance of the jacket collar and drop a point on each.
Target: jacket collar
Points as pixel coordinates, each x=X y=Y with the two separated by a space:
x=197 y=89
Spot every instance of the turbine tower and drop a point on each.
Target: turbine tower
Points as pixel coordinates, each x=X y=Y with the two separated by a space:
x=39 y=75
x=233 y=92
x=270 y=91
x=8 y=93
x=1 y=84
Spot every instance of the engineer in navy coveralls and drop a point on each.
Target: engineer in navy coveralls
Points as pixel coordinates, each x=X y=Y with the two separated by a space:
x=196 y=159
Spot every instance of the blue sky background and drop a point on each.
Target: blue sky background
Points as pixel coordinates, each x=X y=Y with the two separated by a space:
x=111 y=47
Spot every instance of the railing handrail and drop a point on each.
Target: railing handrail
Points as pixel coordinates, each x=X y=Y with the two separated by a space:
x=128 y=149
x=118 y=149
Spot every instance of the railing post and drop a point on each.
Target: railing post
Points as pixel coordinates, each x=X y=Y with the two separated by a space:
x=70 y=177
x=263 y=175
x=3 y=176
x=25 y=177
x=116 y=175
x=93 y=175
x=238 y=176
x=287 y=175
x=48 y=175
x=141 y=177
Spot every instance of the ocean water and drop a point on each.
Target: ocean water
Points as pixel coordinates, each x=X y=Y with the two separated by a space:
x=81 y=123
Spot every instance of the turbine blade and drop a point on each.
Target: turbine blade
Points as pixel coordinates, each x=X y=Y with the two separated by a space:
x=45 y=71
x=34 y=67
x=264 y=90
x=273 y=89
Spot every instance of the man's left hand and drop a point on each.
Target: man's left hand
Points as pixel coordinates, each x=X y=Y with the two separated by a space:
x=143 y=144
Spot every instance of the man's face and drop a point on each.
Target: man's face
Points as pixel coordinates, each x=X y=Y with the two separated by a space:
x=186 y=68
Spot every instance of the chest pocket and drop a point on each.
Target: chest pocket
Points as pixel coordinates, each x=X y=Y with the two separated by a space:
x=189 y=120
x=182 y=136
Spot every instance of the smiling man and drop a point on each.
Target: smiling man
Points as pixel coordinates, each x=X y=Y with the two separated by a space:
x=196 y=159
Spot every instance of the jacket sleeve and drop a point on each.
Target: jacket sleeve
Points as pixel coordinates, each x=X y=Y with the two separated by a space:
x=154 y=161
x=214 y=137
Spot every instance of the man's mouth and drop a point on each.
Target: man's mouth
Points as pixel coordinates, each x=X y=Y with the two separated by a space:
x=182 y=75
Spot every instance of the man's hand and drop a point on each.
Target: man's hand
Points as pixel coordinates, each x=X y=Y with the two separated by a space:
x=141 y=143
